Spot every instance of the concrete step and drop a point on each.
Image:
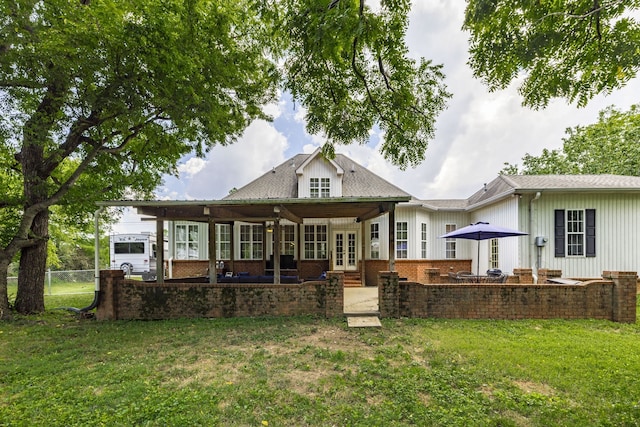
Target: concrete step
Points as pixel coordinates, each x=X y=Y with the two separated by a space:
x=363 y=322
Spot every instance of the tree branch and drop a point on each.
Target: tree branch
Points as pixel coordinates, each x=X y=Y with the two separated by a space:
x=595 y=10
x=19 y=83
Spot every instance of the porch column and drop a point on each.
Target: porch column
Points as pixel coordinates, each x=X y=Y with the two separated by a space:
x=232 y=255
x=213 y=271
x=299 y=250
x=363 y=252
x=276 y=250
x=392 y=238
x=159 y=251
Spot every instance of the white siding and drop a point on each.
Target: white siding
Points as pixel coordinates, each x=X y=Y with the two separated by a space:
x=383 y=222
x=617 y=233
x=319 y=168
x=437 y=227
x=503 y=214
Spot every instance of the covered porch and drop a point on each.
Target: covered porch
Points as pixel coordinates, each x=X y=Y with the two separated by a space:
x=275 y=267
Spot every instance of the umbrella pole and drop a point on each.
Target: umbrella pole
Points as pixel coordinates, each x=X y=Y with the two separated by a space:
x=478 y=264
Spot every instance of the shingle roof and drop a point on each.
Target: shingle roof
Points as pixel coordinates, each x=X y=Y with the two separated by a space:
x=505 y=185
x=282 y=182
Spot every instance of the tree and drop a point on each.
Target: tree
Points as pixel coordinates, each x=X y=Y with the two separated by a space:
x=101 y=98
x=610 y=146
x=571 y=49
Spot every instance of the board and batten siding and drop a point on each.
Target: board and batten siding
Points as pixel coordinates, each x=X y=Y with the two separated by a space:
x=437 y=227
x=383 y=229
x=502 y=214
x=319 y=168
x=617 y=232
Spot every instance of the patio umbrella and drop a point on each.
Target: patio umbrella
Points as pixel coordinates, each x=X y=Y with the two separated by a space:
x=481 y=231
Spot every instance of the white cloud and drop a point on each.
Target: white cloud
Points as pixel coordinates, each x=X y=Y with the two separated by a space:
x=475 y=136
x=260 y=148
x=191 y=166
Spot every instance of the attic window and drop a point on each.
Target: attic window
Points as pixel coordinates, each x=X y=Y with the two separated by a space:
x=319 y=187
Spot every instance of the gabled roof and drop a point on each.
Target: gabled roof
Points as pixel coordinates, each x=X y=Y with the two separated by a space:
x=282 y=182
x=506 y=185
x=315 y=154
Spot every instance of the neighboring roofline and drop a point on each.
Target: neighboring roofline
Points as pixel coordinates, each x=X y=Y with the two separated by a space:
x=509 y=193
x=440 y=208
x=312 y=156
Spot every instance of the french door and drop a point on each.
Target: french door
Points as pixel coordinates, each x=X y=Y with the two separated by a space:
x=345 y=251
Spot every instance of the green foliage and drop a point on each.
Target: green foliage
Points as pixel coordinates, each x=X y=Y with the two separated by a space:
x=349 y=67
x=610 y=146
x=572 y=49
x=100 y=99
x=309 y=372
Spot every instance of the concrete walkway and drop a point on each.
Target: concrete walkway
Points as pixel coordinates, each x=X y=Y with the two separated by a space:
x=362 y=300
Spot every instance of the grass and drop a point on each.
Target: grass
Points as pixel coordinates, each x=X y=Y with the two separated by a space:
x=57 y=287
x=58 y=370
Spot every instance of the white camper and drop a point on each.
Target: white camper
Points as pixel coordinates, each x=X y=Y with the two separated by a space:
x=134 y=254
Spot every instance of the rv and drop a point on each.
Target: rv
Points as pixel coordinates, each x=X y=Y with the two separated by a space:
x=134 y=254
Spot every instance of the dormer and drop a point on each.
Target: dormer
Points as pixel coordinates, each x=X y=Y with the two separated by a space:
x=319 y=177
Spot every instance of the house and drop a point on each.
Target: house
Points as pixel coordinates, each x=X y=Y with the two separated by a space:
x=310 y=215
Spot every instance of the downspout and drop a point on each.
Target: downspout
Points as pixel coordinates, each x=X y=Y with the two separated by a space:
x=96 y=265
x=96 y=273
x=532 y=261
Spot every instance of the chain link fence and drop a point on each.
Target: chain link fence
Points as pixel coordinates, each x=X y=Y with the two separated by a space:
x=64 y=282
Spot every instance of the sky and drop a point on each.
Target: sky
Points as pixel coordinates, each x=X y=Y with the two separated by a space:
x=475 y=136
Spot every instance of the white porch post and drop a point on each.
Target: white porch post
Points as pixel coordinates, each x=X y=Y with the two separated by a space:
x=213 y=271
x=159 y=251
x=392 y=238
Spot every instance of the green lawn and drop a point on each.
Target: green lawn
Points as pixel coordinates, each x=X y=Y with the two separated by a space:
x=58 y=370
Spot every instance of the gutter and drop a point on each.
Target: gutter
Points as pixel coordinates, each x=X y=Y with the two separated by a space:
x=532 y=262
x=96 y=274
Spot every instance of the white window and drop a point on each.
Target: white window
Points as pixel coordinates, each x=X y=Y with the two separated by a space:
x=375 y=240
x=450 y=244
x=319 y=187
x=287 y=239
x=402 y=243
x=186 y=241
x=493 y=253
x=315 y=241
x=575 y=232
x=424 y=241
x=223 y=241
x=251 y=241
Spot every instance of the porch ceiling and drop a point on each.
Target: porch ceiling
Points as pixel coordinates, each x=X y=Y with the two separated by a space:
x=260 y=210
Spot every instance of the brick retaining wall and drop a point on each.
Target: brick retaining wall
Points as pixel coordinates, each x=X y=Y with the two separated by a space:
x=612 y=298
x=130 y=299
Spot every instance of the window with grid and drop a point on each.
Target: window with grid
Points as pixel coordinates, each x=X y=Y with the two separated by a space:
x=319 y=187
x=315 y=241
x=287 y=239
x=186 y=241
x=493 y=253
x=375 y=240
x=450 y=244
x=251 y=241
x=423 y=241
x=402 y=243
x=575 y=232
x=223 y=241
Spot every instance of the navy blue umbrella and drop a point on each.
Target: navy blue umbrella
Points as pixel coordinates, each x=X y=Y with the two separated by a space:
x=481 y=231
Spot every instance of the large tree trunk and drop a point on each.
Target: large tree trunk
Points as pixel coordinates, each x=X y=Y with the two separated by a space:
x=31 y=274
x=5 y=313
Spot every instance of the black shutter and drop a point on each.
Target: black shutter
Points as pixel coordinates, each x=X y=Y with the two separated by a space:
x=559 y=240
x=591 y=232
